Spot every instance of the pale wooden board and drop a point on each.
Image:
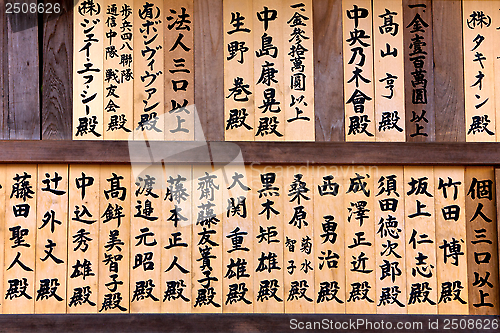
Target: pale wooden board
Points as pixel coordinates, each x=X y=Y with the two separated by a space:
x=275 y=30
x=124 y=88
x=300 y=129
x=266 y=302
x=141 y=67
x=21 y=304
x=472 y=68
x=3 y=232
x=326 y=244
x=495 y=19
x=180 y=177
x=79 y=282
x=422 y=225
x=236 y=222
x=79 y=59
x=52 y=208
x=214 y=197
x=386 y=231
x=355 y=196
x=238 y=68
x=447 y=229
x=172 y=10
x=389 y=65
x=123 y=234
x=297 y=185
x=478 y=229
x=146 y=189
x=348 y=25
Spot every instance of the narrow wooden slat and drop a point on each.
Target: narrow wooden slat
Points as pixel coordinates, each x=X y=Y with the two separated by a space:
x=328 y=73
x=4 y=76
x=57 y=78
x=418 y=26
x=448 y=71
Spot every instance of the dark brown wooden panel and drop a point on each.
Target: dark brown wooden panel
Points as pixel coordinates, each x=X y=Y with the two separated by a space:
x=209 y=68
x=448 y=71
x=4 y=74
x=24 y=97
x=328 y=73
x=57 y=75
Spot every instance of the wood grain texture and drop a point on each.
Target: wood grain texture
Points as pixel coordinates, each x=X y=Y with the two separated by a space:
x=57 y=76
x=24 y=103
x=448 y=72
x=209 y=69
x=4 y=86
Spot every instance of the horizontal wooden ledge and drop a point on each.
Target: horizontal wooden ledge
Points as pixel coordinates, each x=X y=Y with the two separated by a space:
x=241 y=323
x=375 y=153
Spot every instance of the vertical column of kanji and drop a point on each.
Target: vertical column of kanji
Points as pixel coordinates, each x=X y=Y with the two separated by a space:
x=450 y=240
x=298 y=70
x=207 y=235
x=359 y=242
x=298 y=242
x=114 y=238
x=177 y=243
x=118 y=64
x=179 y=70
x=479 y=67
x=389 y=70
x=20 y=234
x=83 y=238
x=358 y=70
x=267 y=192
x=239 y=91
x=390 y=240
x=149 y=121
x=419 y=70
x=482 y=255
x=269 y=98
x=51 y=236
x=238 y=253
x=420 y=232
x=88 y=69
x=146 y=239
x=329 y=239
x=3 y=232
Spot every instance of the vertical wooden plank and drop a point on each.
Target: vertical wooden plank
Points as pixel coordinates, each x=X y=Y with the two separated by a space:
x=298 y=70
x=51 y=236
x=269 y=265
x=358 y=70
x=419 y=72
x=420 y=231
x=118 y=114
x=57 y=78
x=388 y=76
x=239 y=53
x=207 y=235
x=4 y=75
x=495 y=17
x=209 y=73
x=238 y=252
x=149 y=119
x=329 y=240
x=20 y=235
x=448 y=70
x=83 y=238
x=328 y=76
x=114 y=238
x=24 y=93
x=479 y=70
x=177 y=242
x=145 y=238
x=298 y=239
x=179 y=78
x=268 y=22
x=88 y=70
x=482 y=246
x=3 y=231
x=451 y=240
x=360 y=241
x=390 y=240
